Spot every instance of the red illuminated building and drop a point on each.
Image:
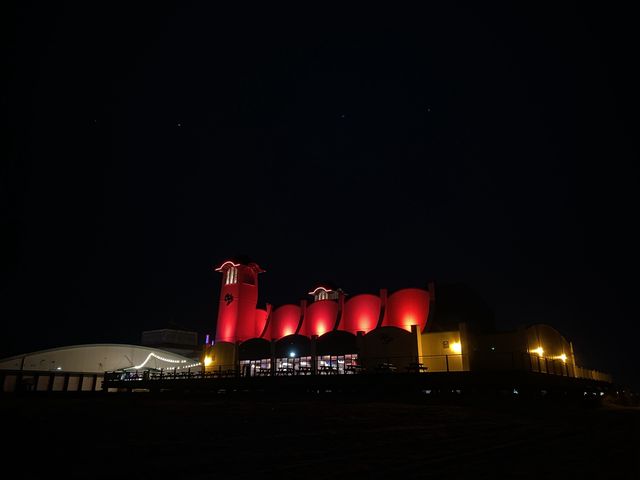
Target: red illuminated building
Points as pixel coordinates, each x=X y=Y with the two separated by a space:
x=333 y=332
x=239 y=319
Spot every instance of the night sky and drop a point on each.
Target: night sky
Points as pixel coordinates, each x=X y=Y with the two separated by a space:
x=493 y=146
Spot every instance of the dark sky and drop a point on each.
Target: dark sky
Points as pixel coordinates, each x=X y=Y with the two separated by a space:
x=494 y=146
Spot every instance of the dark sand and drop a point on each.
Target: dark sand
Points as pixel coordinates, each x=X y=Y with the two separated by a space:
x=140 y=435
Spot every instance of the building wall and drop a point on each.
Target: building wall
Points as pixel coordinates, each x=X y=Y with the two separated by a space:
x=260 y=322
x=378 y=321
x=406 y=307
x=389 y=345
x=439 y=352
x=96 y=358
x=34 y=381
x=361 y=313
x=222 y=356
x=237 y=305
x=501 y=351
x=284 y=321
x=319 y=318
x=183 y=338
x=549 y=339
x=182 y=342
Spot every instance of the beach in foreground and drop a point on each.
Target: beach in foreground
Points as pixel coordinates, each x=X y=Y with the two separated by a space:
x=156 y=436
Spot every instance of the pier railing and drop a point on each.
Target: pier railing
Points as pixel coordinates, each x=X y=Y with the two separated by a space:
x=493 y=361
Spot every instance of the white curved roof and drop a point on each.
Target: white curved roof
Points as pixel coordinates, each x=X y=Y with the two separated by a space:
x=97 y=358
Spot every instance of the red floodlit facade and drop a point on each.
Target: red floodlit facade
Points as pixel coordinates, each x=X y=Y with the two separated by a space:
x=239 y=319
x=320 y=318
x=284 y=321
x=238 y=298
x=407 y=307
x=261 y=321
x=361 y=313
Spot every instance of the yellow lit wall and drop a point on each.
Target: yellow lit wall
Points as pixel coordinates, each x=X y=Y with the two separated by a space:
x=223 y=357
x=549 y=340
x=438 y=349
x=538 y=348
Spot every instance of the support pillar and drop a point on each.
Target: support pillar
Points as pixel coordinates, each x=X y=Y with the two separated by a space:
x=415 y=332
x=236 y=359
x=273 y=358
x=314 y=354
x=466 y=344
x=360 y=347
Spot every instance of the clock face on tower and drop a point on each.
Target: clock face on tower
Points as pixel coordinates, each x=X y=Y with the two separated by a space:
x=228 y=298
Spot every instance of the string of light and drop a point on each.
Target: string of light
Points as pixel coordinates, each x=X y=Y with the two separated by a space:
x=159 y=358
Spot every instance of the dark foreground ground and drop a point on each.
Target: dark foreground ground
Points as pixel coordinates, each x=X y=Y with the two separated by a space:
x=141 y=435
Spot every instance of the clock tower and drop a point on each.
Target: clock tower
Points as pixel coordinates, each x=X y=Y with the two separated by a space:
x=238 y=300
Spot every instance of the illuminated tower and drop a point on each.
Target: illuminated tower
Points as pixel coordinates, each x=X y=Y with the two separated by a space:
x=238 y=299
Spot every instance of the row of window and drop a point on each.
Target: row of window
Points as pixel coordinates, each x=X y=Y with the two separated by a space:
x=231 y=276
x=332 y=363
x=324 y=295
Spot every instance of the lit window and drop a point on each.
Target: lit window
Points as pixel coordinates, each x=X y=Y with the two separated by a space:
x=232 y=276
